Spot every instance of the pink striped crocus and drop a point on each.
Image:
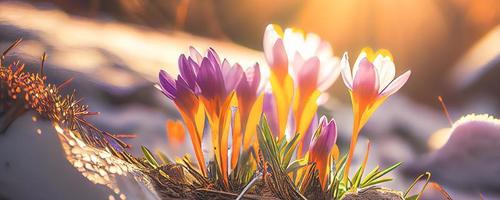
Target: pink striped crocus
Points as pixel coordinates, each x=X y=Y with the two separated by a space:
x=302 y=69
x=370 y=84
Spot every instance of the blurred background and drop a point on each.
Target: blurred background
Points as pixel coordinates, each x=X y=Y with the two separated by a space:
x=115 y=48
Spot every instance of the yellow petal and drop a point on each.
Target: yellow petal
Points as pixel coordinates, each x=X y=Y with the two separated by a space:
x=308 y=113
x=195 y=139
x=335 y=152
x=370 y=55
x=283 y=96
x=225 y=119
x=199 y=119
x=253 y=120
x=237 y=137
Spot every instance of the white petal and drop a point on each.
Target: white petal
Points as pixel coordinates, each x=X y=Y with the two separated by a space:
x=346 y=70
x=270 y=37
x=328 y=73
x=311 y=45
x=386 y=70
x=294 y=41
x=324 y=50
x=396 y=84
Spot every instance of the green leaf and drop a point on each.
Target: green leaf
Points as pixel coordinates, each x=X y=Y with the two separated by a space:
x=357 y=178
x=149 y=157
x=375 y=182
x=296 y=164
x=414 y=197
x=289 y=150
x=385 y=171
x=370 y=175
x=341 y=168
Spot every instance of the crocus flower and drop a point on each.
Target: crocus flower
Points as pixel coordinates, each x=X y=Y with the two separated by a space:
x=250 y=104
x=321 y=148
x=213 y=85
x=370 y=83
x=183 y=94
x=302 y=67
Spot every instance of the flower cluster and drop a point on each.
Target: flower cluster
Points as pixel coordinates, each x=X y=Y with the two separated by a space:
x=224 y=102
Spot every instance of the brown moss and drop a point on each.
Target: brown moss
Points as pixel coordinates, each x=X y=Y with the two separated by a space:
x=374 y=193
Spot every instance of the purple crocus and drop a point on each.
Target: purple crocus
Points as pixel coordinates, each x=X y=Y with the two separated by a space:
x=321 y=148
x=213 y=86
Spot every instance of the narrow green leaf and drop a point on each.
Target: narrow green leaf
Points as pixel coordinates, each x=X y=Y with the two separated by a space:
x=296 y=164
x=385 y=171
x=357 y=178
x=149 y=157
x=289 y=150
x=375 y=182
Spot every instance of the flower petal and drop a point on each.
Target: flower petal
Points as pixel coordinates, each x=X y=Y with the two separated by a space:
x=279 y=62
x=386 y=70
x=308 y=76
x=394 y=86
x=270 y=110
x=253 y=76
x=298 y=62
x=308 y=135
x=294 y=42
x=210 y=81
x=271 y=34
x=187 y=72
x=213 y=56
x=328 y=73
x=322 y=147
x=355 y=67
x=346 y=71
x=193 y=53
x=365 y=83
x=167 y=84
x=311 y=46
x=233 y=77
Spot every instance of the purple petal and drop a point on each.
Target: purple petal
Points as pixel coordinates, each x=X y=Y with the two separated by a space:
x=187 y=71
x=193 y=53
x=308 y=75
x=213 y=56
x=210 y=80
x=167 y=84
x=225 y=67
x=365 y=84
x=205 y=78
x=269 y=109
x=323 y=144
x=233 y=77
x=194 y=64
x=279 y=60
x=254 y=76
